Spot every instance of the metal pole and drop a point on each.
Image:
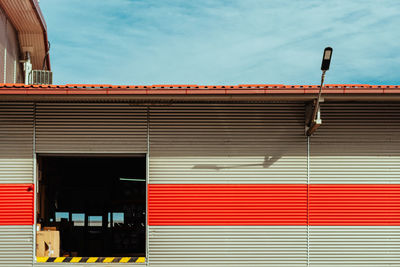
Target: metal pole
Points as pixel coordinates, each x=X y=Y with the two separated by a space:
x=319 y=97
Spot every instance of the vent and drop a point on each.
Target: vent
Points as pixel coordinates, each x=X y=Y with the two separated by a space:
x=41 y=77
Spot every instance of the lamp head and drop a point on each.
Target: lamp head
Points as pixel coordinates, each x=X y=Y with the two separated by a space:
x=326 y=59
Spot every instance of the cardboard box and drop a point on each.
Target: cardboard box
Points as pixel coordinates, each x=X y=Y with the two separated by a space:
x=48 y=244
x=50 y=228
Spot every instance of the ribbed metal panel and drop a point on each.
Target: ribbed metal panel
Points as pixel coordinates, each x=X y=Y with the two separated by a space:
x=90 y=127
x=213 y=204
x=16 y=143
x=357 y=143
x=354 y=246
x=228 y=246
x=16 y=246
x=368 y=204
x=222 y=143
x=16 y=204
x=26 y=22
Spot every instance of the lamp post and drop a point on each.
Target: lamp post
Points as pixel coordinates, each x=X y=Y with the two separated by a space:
x=326 y=62
x=316 y=119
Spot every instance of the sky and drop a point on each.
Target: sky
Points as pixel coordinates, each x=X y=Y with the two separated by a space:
x=222 y=42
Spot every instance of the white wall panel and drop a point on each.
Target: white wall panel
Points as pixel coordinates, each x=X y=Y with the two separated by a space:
x=228 y=246
x=16 y=142
x=354 y=246
x=358 y=143
x=16 y=246
x=228 y=143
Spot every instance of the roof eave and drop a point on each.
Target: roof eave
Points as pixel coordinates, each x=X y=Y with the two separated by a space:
x=39 y=14
x=204 y=98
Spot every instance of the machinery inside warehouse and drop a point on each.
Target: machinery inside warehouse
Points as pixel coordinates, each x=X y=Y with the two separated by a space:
x=95 y=206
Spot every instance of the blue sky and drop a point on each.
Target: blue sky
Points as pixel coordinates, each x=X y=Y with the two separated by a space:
x=222 y=42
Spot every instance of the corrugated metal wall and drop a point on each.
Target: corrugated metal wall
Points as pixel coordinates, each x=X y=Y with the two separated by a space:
x=16 y=204
x=352 y=246
x=16 y=167
x=227 y=204
x=357 y=144
x=228 y=246
x=16 y=142
x=355 y=150
x=16 y=246
x=226 y=144
x=254 y=143
x=91 y=128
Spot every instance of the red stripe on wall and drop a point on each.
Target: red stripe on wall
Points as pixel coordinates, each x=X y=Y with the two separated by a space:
x=263 y=204
x=269 y=204
x=16 y=204
x=354 y=204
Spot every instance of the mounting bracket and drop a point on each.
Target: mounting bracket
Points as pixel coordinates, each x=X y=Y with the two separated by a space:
x=313 y=116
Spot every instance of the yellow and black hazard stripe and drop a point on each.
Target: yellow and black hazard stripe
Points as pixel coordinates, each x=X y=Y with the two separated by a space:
x=92 y=259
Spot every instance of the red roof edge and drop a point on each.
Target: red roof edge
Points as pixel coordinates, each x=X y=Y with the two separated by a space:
x=193 y=89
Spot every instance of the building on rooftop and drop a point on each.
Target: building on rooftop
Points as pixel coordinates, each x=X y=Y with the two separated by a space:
x=23 y=42
x=191 y=175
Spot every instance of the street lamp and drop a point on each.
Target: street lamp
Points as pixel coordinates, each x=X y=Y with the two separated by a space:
x=316 y=118
x=326 y=59
x=326 y=62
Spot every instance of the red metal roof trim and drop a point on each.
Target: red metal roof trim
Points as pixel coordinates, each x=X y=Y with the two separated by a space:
x=177 y=89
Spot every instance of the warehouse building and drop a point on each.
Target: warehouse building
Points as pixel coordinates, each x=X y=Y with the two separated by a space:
x=189 y=175
x=230 y=176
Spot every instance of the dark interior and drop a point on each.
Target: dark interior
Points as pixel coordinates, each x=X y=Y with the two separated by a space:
x=97 y=203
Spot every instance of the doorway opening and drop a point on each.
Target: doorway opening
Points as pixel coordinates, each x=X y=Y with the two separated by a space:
x=91 y=206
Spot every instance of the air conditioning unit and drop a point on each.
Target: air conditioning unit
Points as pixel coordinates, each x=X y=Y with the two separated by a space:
x=41 y=77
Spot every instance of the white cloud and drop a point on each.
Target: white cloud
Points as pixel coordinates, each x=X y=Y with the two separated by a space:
x=222 y=42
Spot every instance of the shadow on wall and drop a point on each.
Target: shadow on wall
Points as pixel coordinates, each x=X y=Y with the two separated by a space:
x=268 y=161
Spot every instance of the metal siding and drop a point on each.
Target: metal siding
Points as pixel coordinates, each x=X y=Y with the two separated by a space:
x=16 y=204
x=354 y=246
x=227 y=246
x=238 y=204
x=368 y=204
x=16 y=246
x=90 y=128
x=228 y=143
x=16 y=143
x=211 y=144
x=357 y=144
